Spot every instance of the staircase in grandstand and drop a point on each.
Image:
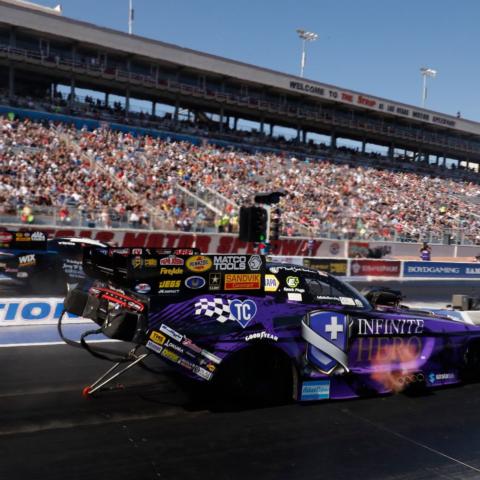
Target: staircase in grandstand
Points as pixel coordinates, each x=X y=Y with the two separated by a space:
x=159 y=219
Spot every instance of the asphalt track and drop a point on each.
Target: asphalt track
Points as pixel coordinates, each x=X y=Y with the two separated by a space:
x=152 y=429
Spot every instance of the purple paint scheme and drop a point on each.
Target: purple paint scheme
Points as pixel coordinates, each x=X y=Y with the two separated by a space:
x=337 y=345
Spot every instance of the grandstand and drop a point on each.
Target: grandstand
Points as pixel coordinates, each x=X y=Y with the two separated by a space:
x=67 y=160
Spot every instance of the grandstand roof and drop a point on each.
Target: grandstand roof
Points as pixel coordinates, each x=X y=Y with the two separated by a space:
x=28 y=16
x=34 y=6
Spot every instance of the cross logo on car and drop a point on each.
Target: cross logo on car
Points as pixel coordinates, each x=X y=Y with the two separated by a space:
x=333 y=328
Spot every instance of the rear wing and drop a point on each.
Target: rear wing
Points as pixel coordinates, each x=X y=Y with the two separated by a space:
x=11 y=240
x=175 y=271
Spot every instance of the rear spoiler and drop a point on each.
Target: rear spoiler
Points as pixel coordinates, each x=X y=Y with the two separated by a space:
x=121 y=264
x=175 y=271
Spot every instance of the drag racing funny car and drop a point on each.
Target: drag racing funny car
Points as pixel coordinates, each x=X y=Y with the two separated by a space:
x=31 y=264
x=261 y=331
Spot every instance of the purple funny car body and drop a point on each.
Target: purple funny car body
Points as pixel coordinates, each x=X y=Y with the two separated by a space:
x=274 y=329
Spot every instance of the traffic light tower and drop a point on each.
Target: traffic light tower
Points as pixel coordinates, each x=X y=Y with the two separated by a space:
x=255 y=222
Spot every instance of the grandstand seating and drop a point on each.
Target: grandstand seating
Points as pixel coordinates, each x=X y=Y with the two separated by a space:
x=109 y=179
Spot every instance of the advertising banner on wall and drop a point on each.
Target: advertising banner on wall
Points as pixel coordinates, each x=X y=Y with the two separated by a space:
x=34 y=311
x=441 y=270
x=329 y=265
x=375 y=268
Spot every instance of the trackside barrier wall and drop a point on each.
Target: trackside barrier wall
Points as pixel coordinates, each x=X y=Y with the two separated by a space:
x=229 y=243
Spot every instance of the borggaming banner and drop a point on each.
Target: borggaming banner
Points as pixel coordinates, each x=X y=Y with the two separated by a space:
x=441 y=270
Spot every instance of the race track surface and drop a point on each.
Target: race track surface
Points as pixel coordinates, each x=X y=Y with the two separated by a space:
x=153 y=430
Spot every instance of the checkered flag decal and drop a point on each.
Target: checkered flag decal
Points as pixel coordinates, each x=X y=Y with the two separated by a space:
x=218 y=308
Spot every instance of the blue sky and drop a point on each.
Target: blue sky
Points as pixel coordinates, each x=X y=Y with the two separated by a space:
x=372 y=46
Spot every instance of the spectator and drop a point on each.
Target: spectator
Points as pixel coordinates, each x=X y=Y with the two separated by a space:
x=425 y=252
x=308 y=248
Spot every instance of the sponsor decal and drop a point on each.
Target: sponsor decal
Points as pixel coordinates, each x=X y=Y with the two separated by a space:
x=137 y=262
x=223 y=310
x=22 y=237
x=142 y=288
x=137 y=251
x=171 y=271
x=255 y=262
x=383 y=348
x=213 y=358
x=38 y=237
x=295 y=297
x=168 y=284
x=290 y=268
x=201 y=372
x=390 y=326
x=347 y=301
x=153 y=346
x=168 y=291
x=334 y=248
x=326 y=334
x=124 y=252
x=261 y=336
x=315 y=390
x=169 y=355
x=5 y=237
x=27 y=260
x=184 y=251
x=335 y=267
x=199 y=263
x=243 y=311
x=293 y=282
x=118 y=297
x=440 y=377
x=410 y=378
x=230 y=262
x=195 y=282
x=271 y=283
x=186 y=364
x=175 y=347
x=150 y=262
x=172 y=260
x=242 y=281
x=157 y=337
x=171 y=332
x=214 y=281
x=73 y=268
x=375 y=268
x=189 y=344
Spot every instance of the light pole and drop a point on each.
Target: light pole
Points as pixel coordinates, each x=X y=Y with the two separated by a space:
x=426 y=72
x=305 y=36
x=130 y=16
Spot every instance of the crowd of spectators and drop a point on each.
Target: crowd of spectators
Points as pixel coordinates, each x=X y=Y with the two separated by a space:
x=107 y=178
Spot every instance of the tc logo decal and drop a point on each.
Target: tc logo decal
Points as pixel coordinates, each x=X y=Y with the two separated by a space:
x=243 y=312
